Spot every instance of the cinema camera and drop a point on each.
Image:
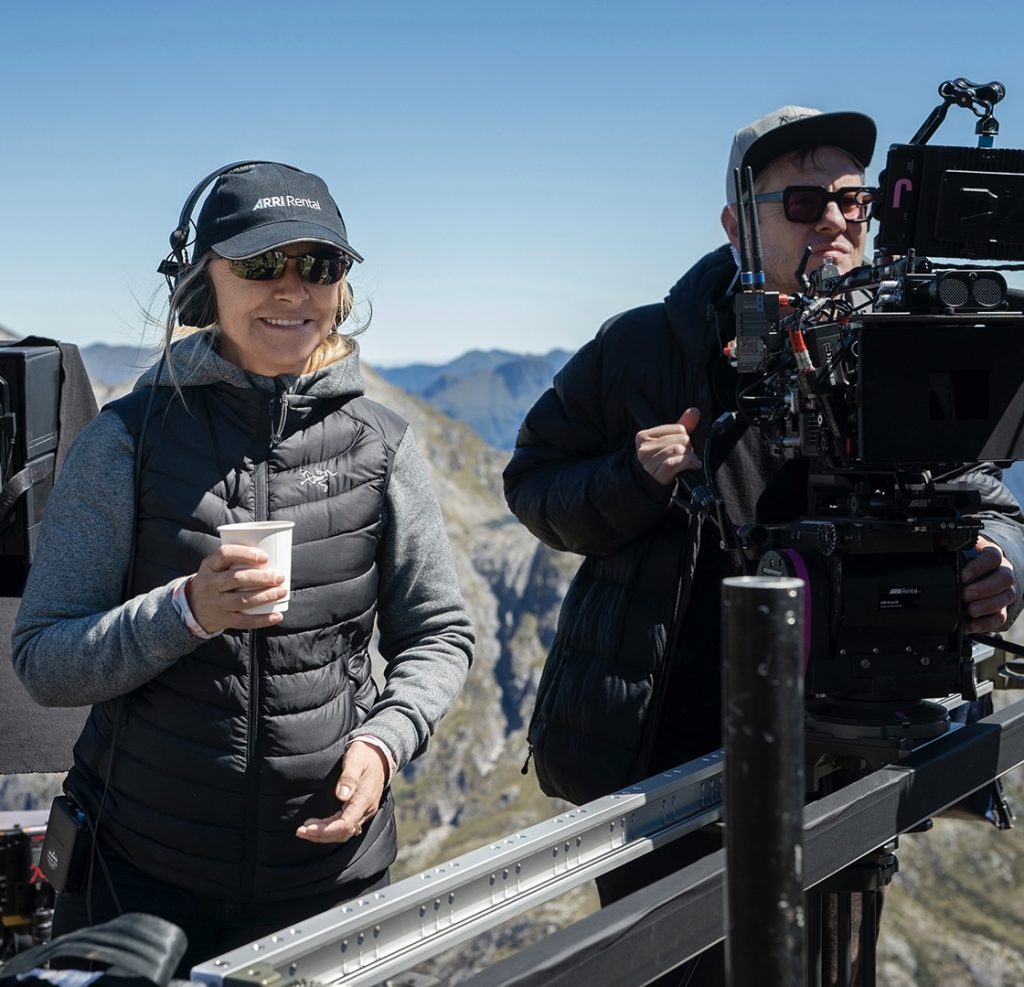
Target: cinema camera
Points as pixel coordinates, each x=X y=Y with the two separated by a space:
x=892 y=381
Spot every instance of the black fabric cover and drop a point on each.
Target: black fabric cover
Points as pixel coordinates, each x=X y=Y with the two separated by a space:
x=132 y=948
x=32 y=738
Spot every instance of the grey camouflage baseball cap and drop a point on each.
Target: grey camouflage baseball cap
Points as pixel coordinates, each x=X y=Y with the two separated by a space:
x=790 y=128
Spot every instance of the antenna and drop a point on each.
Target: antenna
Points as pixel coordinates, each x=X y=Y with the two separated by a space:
x=746 y=265
x=757 y=261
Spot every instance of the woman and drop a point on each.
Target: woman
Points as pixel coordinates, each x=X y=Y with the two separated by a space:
x=236 y=765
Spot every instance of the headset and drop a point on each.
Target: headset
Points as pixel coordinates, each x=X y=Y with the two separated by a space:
x=195 y=306
x=177 y=264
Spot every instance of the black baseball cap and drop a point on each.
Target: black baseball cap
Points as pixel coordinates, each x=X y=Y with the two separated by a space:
x=263 y=206
x=791 y=128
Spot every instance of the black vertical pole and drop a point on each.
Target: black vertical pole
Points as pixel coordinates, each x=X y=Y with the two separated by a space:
x=763 y=727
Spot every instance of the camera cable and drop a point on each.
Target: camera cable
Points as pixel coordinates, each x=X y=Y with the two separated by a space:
x=94 y=827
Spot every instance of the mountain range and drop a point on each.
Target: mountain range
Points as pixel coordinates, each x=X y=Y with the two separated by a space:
x=489 y=390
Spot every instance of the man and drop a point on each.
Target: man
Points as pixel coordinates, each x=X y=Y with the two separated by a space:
x=629 y=689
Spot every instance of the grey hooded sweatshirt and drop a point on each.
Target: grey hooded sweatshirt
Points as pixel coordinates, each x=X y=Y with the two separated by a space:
x=77 y=640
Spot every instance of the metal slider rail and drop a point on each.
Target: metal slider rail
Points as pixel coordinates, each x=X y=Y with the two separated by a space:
x=641 y=937
x=388 y=932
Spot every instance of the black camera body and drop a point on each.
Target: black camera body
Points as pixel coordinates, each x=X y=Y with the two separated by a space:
x=891 y=401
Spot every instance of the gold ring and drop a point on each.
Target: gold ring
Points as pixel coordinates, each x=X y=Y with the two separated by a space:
x=359 y=830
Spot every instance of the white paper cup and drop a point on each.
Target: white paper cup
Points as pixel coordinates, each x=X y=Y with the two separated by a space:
x=272 y=537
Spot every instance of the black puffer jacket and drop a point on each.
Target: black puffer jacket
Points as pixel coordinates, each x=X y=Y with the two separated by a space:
x=575 y=481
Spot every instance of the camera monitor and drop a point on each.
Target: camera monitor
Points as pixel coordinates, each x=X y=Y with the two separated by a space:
x=952 y=202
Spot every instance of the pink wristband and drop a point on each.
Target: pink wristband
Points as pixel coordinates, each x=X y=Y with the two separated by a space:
x=180 y=601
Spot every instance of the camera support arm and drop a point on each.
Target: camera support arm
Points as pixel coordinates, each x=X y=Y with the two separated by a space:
x=979 y=98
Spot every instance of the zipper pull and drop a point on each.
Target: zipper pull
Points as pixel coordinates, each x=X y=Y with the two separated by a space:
x=526 y=764
x=278 y=429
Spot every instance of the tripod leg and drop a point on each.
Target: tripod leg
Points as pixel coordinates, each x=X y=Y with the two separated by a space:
x=844 y=961
x=812 y=906
x=829 y=939
x=868 y=936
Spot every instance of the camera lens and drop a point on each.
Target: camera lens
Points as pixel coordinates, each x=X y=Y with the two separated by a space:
x=953 y=291
x=988 y=290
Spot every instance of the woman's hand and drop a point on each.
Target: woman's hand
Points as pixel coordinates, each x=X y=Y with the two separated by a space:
x=228 y=581
x=359 y=789
x=988 y=589
x=664 y=450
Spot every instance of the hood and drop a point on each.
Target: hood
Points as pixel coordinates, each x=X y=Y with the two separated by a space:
x=196 y=362
x=708 y=283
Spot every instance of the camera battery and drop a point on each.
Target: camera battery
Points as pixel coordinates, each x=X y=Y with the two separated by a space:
x=64 y=858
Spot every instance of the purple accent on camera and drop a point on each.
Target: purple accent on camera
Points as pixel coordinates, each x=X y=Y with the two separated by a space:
x=903 y=185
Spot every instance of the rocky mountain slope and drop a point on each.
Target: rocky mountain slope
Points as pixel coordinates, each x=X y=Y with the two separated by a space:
x=954 y=912
x=490 y=391
x=513 y=587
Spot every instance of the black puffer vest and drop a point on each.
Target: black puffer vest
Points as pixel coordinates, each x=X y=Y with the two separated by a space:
x=222 y=756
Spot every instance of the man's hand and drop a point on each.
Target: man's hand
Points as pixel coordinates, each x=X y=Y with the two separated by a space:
x=359 y=790
x=229 y=581
x=664 y=450
x=988 y=588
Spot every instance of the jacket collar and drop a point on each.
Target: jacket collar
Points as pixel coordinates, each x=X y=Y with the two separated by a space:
x=197 y=362
x=695 y=299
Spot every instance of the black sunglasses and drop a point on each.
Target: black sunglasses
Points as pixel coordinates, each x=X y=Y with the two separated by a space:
x=807 y=203
x=314 y=268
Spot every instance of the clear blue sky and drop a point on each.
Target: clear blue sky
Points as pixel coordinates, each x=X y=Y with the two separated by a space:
x=514 y=173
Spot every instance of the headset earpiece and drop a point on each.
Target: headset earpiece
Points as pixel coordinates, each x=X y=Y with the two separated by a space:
x=179 y=240
x=196 y=309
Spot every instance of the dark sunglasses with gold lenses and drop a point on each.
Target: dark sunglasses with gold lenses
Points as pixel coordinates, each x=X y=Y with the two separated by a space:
x=324 y=268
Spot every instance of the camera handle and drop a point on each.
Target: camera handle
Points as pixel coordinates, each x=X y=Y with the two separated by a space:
x=1012 y=672
x=979 y=98
x=999 y=643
